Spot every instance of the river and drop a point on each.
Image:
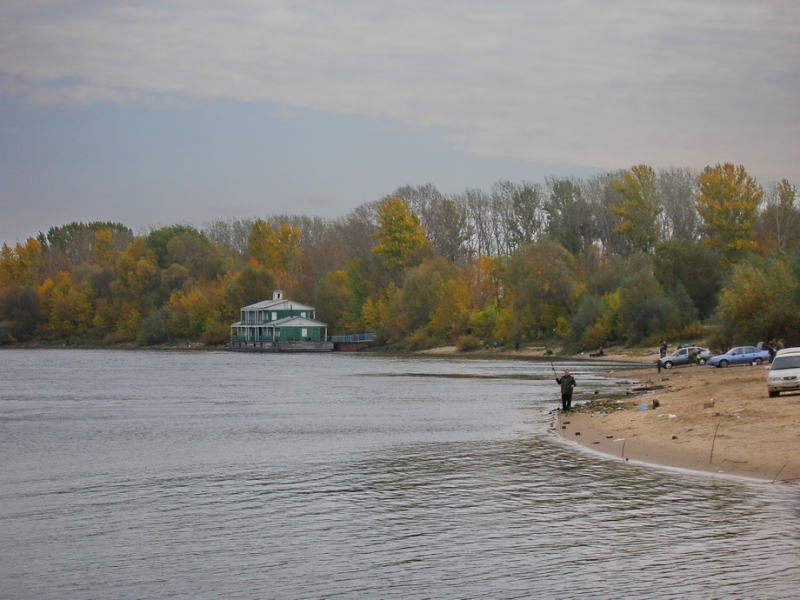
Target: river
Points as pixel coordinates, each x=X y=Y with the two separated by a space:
x=154 y=474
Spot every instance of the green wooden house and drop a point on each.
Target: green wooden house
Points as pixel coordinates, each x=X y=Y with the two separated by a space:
x=279 y=325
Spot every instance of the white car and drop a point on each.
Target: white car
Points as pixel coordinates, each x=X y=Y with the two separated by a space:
x=784 y=374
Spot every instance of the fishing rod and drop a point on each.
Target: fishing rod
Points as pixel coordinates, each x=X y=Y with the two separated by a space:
x=549 y=353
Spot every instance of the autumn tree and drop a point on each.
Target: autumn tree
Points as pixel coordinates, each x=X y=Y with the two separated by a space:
x=780 y=221
x=638 y=209
x=275 y=251
x=451 y=316
x=20 y=264
x=138 y=277
x=728 y=202
x=542 y=285
x=68 y=307
x=401 y=239
x=421 y=290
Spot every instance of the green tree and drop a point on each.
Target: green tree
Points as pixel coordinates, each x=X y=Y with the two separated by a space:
x=201 y=259
x=334 y=300
x=401 y=238
x=642 y=310
x=638 y=209
x=421 y=292
x=728 y=202
x=158 y=240
x=693 y=266
x=248 y=286
x=569 y=218
x=761 y=300
x=19 y=312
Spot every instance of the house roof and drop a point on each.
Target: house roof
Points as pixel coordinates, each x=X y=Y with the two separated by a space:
x=278 y=305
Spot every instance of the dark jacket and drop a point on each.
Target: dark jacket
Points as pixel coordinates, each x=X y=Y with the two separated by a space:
x=567 y=383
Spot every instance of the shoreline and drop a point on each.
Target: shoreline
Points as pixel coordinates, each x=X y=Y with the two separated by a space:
x=697 y=418
x=720 y=422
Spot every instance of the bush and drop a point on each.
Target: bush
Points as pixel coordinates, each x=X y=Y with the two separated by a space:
x=215 y=332
x=421 y=339
x=595 y=336
x=467 y=342
x=155 y=329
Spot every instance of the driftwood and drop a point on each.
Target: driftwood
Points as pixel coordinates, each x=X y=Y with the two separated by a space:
x=646 y=387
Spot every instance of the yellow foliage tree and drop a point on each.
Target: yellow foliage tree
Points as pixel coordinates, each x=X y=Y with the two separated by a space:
x=276 y=251
x=450 y=317
x=103 y=252
x=20 y=264
x=401 y=239
x=728 y=202
x=70 y=310
x=639 y=209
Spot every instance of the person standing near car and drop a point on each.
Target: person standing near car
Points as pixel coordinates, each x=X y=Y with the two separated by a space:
x=664 y=349
x=693 y=356
x=773 y=348
x=567 y=383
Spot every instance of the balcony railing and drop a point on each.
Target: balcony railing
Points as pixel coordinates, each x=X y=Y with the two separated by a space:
x=351 y=339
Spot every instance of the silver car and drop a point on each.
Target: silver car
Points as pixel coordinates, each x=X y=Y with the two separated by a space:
x=784 y=374
x=681 y=357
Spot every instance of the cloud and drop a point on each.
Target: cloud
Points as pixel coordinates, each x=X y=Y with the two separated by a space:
x=610 y=83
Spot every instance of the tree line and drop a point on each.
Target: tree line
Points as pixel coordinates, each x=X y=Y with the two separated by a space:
x=634 y=256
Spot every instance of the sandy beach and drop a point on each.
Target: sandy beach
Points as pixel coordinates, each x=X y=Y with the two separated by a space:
x=718 y=421
x=699 y=418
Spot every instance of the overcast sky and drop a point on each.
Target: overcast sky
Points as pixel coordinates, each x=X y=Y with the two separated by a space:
x=163 y=111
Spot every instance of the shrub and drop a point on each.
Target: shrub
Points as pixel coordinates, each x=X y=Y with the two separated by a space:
x=467 y=342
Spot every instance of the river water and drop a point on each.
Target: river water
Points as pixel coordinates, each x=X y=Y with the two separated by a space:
x=153 y=474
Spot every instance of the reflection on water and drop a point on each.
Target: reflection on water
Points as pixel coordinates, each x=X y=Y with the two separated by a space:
x=200 y=475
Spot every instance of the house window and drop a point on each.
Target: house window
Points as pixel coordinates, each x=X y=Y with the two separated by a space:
x=274 y=316
x=302 y=314
x=304 y=333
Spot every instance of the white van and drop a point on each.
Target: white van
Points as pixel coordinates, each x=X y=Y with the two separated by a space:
x=784 y=374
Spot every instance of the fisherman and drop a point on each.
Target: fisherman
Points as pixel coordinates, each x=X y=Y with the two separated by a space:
x=664 y=349
x=567 y=383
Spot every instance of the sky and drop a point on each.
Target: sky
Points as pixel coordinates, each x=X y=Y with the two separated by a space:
x=157 y=112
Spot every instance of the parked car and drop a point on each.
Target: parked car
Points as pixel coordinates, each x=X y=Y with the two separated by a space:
x=681 y=357
x=741 y=355
x=784 y=374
